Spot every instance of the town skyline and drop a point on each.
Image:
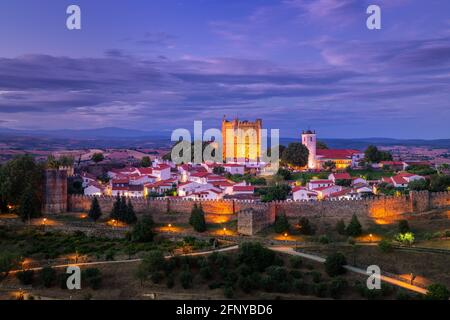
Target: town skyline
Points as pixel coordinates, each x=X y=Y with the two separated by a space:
x=163 y=65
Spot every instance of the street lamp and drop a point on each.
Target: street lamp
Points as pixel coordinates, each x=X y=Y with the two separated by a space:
x=224 y=231
x=370 y=237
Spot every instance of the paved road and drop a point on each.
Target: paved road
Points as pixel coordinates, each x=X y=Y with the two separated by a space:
x=96 y=263
x=396 y=282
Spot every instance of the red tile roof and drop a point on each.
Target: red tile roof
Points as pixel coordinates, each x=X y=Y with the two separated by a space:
x=342 y=176
x=336 y=153
x=318 y=181
x=244 y=188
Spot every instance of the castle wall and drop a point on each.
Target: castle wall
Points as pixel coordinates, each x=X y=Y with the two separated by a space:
x=55 y=191
x=322 y=213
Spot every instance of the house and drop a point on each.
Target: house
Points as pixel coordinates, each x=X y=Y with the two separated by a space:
x=161 y=172
x=392 y=165
x=142 y=180
x=234 y=168
x=243 y=189
x=189 y=187
x=342 y=158
x=199 y=177
x=358 y=180
x=345 y=176
x=345 y=194
x=135 y=191
x=87 y=179
x=207 y=194
x=402 y=180
x=303 y=194
x=159 y=187
x=94 y=189
x=319 y=183
x=324 y=192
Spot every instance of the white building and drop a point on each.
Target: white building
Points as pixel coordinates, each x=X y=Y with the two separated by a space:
x=303 y=194
x=309 y=140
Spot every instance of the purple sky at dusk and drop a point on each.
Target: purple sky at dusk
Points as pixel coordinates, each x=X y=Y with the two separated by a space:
x=159 y=65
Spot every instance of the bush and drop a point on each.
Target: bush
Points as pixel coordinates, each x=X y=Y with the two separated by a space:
x=437 y=291
x=385 y=246
x=337 y=286
x=324 y=239
x=305 y=227
x=156 y=277
x=25 y=277
x=281 y=223
x=170 y=282
x=320 y=289
x=403 y=226
x=255 y=256
x=340 y=227
x=295 y=262
x=354 y=228
x=296 y=274
x=186 y=279
x=143 y=230
x=405 y=238
x=48 y=276
x=228 y=292
x=334 y=264
x=316 y=276
x=245 y=283
x=93 y=277
x=301 y=286
x=206 y=272
x=154 y=261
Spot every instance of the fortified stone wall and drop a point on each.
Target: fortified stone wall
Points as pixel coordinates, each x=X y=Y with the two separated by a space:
x=251 y=221
x=323 y=213
x=55 y=191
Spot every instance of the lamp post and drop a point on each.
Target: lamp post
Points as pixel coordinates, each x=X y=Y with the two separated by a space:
x=370 y=238
x=224 y=231
x=43 y=223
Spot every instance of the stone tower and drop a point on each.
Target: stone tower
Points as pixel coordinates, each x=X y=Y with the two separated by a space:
x=309 y=140
x=241 y=140
x=55 y=191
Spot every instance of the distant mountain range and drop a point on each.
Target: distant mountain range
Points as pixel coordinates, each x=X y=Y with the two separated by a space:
x=119 y=138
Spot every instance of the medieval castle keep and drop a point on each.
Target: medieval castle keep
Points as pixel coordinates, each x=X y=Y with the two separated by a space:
x=251 y=216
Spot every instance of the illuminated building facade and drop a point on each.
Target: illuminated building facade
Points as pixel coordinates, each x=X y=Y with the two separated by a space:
x=241 y=141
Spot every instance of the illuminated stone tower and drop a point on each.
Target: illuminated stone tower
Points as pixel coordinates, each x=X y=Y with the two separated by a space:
x=241 y=140
x=309 y=140
x=55 y=191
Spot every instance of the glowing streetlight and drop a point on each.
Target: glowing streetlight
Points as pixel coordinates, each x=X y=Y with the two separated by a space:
x=370 y=237
x=285 y=234
x=224 y=231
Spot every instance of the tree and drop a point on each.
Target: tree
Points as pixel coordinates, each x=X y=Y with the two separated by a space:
x=437 y=291
x=329 y=165
x=19 y=176
x=281 y=223
x=47 y=276
x=197 y=219
x=373 y=155
x=7 y=262
x=340 y=227
x=439 y=183
x=306 y=227
x=28 y=208
x=219 y=170
x=146 y=162
x=419 y=185
x=275 y=193
x=130 y=215
x=334 y=264
x=403 y=226
x=115 y=213
x=296 y=154
x=143 y=230
x=186 y=279
x=354 y=228
x=255 y=256
x=405 y=238
x=284 y=173
x=98 y=157
x=95 y=212
x=93 y=277
x=321 y=145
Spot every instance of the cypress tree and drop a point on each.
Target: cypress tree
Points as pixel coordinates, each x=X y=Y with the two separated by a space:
x=28 y=208
x=197 y=219
x=115 y=213
x=354 y=228
x=130 y=216
x=95 y=211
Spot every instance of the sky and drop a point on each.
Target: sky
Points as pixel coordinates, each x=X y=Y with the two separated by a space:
x=160 y=65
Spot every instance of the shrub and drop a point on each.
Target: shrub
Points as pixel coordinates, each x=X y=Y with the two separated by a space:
x=316 y=276
x=437 y=291
x=48 y=276
x=154 y=261
x=296 y=262
x=320 y=289
x=228 y=292
x=324 y=239
x=255 y=255
x=301 y=286
x=385 y=246
x=296 y=274
x=186 y=279
x=156 y=277
x=25 y=277
x=281 y=223
x=337 y=286
x=245 y=283
x=93 y=277
x=206 y=272
x=62 y=280
x=170 y=282
x=403 y=226
x=405 y=238
x=354 y=228
x=143 y=230
x=306 y=228
x=334 y=264
x=340 y=227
